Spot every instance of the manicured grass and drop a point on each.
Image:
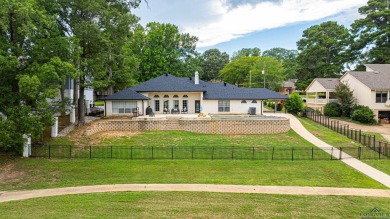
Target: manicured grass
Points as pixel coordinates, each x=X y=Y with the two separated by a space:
x=382 y=165
x=192 y=205
x=181 y=138
x=49 y=173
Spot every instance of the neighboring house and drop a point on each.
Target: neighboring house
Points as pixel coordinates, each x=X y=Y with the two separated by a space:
x=170 y=94
x=320 y=92
x=371 y=88
x=288 y=86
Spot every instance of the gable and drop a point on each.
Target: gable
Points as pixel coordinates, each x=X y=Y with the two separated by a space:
x=315 y=86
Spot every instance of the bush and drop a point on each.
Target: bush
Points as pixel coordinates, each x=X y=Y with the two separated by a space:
x=279 y=107
x=363 y=114
x=332 y=110
x=294 y=103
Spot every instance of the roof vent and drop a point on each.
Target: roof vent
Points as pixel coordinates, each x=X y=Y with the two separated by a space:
x=224 y=83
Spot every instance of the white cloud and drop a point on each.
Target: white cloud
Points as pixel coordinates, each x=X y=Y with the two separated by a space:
x=217 y=21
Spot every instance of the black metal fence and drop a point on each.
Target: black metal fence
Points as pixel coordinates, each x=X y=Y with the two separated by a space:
x=198 y=153
x=381 y=147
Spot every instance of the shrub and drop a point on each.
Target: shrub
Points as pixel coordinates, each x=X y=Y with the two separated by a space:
x=363 y=114
x=332 y=110
x=294 y=103
x=279 y=107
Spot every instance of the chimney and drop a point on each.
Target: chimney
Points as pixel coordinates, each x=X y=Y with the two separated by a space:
x=196 y=77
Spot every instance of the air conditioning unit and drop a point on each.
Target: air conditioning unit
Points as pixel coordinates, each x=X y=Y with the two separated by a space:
x=387 y=103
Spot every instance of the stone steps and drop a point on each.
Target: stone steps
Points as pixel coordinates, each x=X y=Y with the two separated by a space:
x=172 y=124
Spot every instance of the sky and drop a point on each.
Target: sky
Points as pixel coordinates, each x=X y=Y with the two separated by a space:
x=230 y=25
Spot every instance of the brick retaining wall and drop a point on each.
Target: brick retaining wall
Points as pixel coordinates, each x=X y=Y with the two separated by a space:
x=196 y=125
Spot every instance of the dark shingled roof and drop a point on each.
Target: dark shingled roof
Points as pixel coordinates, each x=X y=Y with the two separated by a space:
x=212 y=91
x=127 y=94
x=328 y=83
x=379 y=79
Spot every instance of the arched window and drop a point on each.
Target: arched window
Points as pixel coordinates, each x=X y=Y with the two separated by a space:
x=156 y=96
x=175 y=96
x=185 y=96
x=254 y=101
x=244 y=101
x=166 y=96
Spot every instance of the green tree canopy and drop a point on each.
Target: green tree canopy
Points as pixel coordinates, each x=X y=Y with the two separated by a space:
x=246 y=52
x=323 y=51
x=287 y=57
x=372 y=32
x=240 y=72
x=213 y=61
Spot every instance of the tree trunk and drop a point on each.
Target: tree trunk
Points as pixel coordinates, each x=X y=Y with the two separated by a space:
x=110 y=89
x=81 y=110
x=62 y=95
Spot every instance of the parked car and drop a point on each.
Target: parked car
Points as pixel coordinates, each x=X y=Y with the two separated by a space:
x=95 y=111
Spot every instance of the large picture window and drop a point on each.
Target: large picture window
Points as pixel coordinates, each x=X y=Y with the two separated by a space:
x=156 y=105
x=185 y=105
x=223 y=105
x=166 y=105
x=119 y=107
x=381 y=96
x=176 y=104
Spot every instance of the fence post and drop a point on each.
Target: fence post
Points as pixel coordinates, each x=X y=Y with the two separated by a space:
x=192 y=152
x=253 y=153
x=172 y=152
x=152 y=152
x=312 y=153
x=90 y=152
x=348 y=131
x=341 y=151
x=360 y=136
x=379 y=153
x=212 y=154
x=131 y=152
x=232 y=153
x=70 y=151
x=49 y=152
x=273 y=151
x=292 y=153
x=359 y=152
x=111 y=152
x=374 y=142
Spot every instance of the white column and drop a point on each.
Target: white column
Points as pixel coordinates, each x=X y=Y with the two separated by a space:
x=72 y=114
x=54 y=128
x=26 y=146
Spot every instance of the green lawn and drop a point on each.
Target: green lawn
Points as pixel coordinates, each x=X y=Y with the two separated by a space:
x=181 y=138
x=50 y=173
x=382 y=165
x=99 y=103
x=192 y=205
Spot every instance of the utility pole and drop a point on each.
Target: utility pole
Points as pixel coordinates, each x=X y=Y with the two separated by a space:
x=250 y=79
x=263 y=72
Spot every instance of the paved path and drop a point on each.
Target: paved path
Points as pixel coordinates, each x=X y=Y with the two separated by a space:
x=350 y=161
x=285 y=190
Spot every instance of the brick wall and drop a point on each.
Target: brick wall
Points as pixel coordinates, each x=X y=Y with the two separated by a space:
x=197 y=125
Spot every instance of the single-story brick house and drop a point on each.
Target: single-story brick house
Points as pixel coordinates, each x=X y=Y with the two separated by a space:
x=171 y=94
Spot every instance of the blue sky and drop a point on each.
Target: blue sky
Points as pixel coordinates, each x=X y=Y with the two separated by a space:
x=230 y=25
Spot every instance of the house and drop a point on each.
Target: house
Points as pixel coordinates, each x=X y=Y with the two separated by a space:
x=371 y=88
x=320 y=92
x=171 y=94
x=288 y=87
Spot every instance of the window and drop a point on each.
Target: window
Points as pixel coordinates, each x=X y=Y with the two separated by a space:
x=175 y=96
x=166 y=105
x=119 y=107
x=381 y=96
x=156 y=105
x=223 y=105
x=166 y=96
x=254 y=101
x=156 y=96
x=244 y=101
x=176 y=104
x=185 y=105
x=185 y=96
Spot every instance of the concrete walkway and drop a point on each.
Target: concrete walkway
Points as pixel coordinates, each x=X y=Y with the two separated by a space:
x=285 y=190
x=350 y=161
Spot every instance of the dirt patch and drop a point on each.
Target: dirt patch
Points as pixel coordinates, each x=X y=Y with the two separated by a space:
x=8 y=175
x=315 y=133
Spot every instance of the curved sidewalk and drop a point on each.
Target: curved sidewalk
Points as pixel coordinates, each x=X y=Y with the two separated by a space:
x=350 y=161
x=285 y=190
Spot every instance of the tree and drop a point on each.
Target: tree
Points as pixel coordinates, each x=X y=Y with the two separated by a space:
x=372 y=33
x=213 y=61
x=162 y=49
x=345 y=97
x=247 y=71
x=287 y=57
x=294 y=103
x=323 y=51
x=248 y=52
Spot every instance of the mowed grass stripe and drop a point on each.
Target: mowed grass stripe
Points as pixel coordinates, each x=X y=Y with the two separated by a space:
x=192 y=205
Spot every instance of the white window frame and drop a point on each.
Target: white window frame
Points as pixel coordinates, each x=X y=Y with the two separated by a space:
x=223 y=105
x=123 y=107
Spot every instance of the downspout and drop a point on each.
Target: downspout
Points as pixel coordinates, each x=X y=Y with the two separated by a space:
x=105 y=108
x=142 y=107
x=261 y=107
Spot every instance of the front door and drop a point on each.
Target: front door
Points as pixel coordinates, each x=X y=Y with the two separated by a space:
x=197 y=106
